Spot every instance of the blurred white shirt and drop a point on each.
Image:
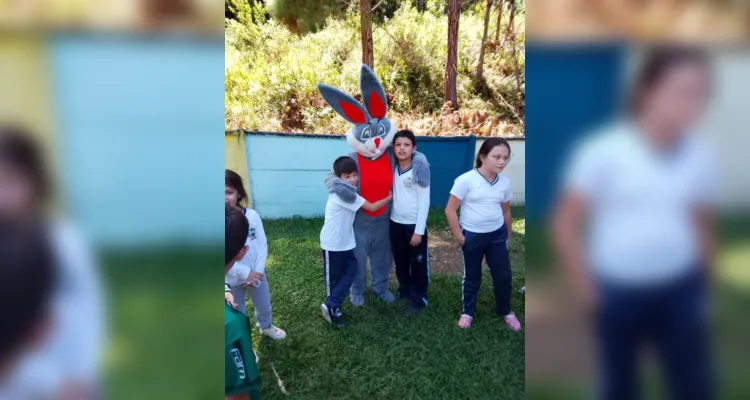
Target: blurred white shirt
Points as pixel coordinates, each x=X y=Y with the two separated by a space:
x=257 y=252
x=640 y=215
x=77 y=339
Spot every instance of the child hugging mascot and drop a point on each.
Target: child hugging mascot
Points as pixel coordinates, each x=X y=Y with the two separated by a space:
x=371 y=137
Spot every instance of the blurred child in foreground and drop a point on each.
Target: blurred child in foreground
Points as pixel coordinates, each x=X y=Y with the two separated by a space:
x=67 y=366
x=644 y=188
x=26 y=266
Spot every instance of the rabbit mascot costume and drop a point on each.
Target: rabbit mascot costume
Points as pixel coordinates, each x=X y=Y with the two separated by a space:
x=371 y=137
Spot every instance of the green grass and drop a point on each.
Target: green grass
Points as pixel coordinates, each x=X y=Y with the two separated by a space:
x=166 y=325
x=168 y=334
x=381 y=354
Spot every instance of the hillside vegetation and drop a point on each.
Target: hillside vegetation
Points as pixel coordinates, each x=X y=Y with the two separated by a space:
x=272 y=73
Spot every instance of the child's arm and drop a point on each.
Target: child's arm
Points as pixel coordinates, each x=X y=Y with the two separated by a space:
x=372 y=207
x=458 y=193
x=423 y=208
x=451 y=213
x=508 y=218
x=262 y=245
x=505 y=205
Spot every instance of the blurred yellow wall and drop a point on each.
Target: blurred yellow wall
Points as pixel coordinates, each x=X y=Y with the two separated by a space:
x=236 y=159
x=27 y=98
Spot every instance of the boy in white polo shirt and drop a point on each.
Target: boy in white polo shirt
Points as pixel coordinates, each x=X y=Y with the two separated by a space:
x=408 y=230
x=337 y=241
x=484 y=196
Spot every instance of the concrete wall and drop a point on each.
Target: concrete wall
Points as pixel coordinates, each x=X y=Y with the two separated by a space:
x=516 y=169
x=726 y=127
x=287 y=172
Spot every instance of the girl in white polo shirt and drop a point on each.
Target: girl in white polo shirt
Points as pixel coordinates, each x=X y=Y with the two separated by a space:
x=643 y=187
x=484 y=195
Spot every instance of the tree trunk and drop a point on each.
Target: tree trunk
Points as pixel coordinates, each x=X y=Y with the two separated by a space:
x=451 y=62
x=499 y=21
x=419 y=5
x=511 y=33
x=365 y=10
x=480 y=68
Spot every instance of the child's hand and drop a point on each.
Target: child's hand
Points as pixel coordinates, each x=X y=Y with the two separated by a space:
x=254 y=279
x=416 y=240
x=228 y=296
x=462 y=240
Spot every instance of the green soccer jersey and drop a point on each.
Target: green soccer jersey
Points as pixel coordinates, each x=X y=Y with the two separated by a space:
x=240 y=370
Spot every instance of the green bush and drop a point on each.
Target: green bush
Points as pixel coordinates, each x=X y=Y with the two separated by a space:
x=272 y=74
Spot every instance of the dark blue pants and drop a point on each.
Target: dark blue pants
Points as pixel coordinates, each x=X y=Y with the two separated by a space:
x=412 y=264
x=672 y=319
x=339 y=271
x=494 y=247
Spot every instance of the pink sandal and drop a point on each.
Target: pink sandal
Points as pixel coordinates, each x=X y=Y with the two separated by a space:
x=512 y=322
x=465 y=321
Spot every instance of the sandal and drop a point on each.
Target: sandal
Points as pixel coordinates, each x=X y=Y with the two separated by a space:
x=512 y=322
x=465 y=321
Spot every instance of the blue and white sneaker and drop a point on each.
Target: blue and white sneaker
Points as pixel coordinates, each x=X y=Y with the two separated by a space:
x=332 y=315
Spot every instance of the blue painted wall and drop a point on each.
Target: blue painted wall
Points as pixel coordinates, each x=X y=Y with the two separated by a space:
x=570 y=89
x=124 y=106
x=287 y=172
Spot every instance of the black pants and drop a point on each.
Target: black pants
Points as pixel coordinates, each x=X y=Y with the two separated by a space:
x=494 y=247
x=412 y=264
x=672 y=319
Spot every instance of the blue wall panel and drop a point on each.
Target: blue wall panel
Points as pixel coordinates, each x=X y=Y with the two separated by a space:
x=287 y=172
x=570 y=88
x=136 y=139
x=449 y=158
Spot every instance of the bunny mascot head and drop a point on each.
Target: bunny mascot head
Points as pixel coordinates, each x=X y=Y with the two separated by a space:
x=372 y=132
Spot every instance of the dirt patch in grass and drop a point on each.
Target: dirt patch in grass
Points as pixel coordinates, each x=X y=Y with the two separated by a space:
x=445 y=254
x=560 y=345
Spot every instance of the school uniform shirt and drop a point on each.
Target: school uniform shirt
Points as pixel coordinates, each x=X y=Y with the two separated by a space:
x=78 y=333
x=338 y=229
x=480 y=201
x=641 y=203
x=411 y=202
x=257 y=252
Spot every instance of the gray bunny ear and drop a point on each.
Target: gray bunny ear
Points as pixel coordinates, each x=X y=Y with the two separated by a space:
x=346 y=106
x=373 y=94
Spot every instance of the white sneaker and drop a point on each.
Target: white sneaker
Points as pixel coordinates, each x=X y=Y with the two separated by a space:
x=273 y=332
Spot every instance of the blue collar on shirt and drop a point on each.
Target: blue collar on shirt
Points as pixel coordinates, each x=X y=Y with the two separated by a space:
x=492 y=183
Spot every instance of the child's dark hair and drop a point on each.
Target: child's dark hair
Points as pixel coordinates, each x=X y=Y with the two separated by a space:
x=19 y=150
x=344 y=165
x=657 y=63
x=236 y=229
x=487 y=147
x=27 y=278
x=234 y=180
x=407 y=134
